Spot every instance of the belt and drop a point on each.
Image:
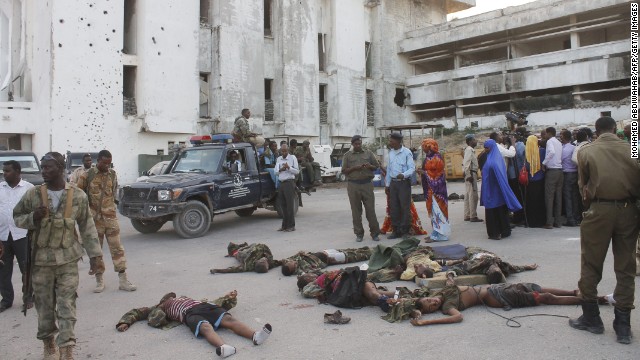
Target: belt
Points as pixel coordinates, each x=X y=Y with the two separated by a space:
x=400 y=179
x=559 y=169
x=624 y=202
x=360 y=181
x=284 y=181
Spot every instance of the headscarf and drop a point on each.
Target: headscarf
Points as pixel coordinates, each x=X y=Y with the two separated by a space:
x=495 y=187
x=533 y=154
x=430 y=145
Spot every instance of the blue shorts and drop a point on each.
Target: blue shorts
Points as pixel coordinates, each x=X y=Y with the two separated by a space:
x=204 y=313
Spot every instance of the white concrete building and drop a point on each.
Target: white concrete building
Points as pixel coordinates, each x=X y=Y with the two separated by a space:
x=563 y=61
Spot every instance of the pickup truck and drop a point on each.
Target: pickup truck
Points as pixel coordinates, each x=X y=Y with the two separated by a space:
x=199 y=183
x=28 y=162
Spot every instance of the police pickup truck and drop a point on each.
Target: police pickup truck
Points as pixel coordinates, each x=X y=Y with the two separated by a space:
x=214 y=176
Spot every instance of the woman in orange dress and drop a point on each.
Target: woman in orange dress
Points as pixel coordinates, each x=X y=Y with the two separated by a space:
x=434 y=185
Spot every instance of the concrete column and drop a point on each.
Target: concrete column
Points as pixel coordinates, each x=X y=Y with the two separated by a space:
x=457 y=60
x=459 y=111
x=575 y=37
x=577 y=97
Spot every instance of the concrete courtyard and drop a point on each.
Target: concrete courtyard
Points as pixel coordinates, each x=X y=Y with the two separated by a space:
x=163 y=262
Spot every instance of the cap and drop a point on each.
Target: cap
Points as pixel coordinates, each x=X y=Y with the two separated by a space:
x=306 y=142
x=355 y=138
x=469 y=136
x=396 y=135
x=157 y=318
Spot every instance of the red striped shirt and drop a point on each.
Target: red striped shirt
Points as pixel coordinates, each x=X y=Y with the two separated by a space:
x=176 y=308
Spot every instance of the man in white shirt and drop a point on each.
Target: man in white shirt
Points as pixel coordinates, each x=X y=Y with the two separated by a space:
x=13 y=240
x=234 y=165
x=553 y=178
x=582 y=140
x=506 y=153
x=287 y=169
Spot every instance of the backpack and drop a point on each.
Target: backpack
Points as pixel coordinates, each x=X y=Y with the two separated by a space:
x=348 y=294
x=523 y=177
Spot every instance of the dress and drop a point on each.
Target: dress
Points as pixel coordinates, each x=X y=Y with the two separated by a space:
x=434 y=185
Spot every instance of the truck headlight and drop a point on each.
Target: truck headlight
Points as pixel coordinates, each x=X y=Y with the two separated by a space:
x=164 y=195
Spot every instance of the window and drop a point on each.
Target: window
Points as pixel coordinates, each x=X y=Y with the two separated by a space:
x=267 y=88
x=322 y=54
x=324 y=105
x=267 y=18
x=367 y=58
x=323 y=92
x=204 y=95
x=400 y=97
x=130 y=27
x=268 y=101
x=129 y=90
x=370 y=109
x=204 y=11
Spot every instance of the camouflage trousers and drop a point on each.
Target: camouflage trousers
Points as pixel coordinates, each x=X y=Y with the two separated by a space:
x=55 y=301
x=109 y=228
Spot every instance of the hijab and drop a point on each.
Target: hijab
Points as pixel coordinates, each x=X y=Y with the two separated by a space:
x=533 y=154
x=495 y=187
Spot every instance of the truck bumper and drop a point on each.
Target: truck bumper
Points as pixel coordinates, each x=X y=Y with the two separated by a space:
x=150 y=210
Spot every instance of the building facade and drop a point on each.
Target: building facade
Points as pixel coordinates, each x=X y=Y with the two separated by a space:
x=563 y=61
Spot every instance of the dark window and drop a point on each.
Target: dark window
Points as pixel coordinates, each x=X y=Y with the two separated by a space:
x=323 y=90
x=129 y=90
x=605 y=113
x=324 y=105
x=267 y=18
x=367 y=59
x=268 y=101
x=204 y=11
x=566 y=44
x=399 y=98
x=268 y=83
x=322 y=53
x=130 y=27
x=204 y=95
x=370 y=109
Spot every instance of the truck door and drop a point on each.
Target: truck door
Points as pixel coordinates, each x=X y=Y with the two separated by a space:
x=241 y=185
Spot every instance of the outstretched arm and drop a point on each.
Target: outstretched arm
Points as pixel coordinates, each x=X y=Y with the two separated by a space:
x=228 y=301
x=132 y=316
x=454 y=317
x=229 y=270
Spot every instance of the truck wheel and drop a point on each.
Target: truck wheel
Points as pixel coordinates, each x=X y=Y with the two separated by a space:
x=245 y=212
x=296 y=203
x=193 y=221
x=147 y=226
x=342 y=177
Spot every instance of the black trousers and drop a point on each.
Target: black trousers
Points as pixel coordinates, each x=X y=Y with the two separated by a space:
x=400 y=206
x=286 y=199
x=17 y=248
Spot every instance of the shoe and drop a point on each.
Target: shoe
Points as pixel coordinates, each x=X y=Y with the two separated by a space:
x=290 y=229
x=394 y=236
x=622 y=325
x=125 y=285
x=467 y=219
x=375 y=237
x=51 y=351
x=495 y=237
x=336 y=318
x=281 y=229
x=225 y=350
x=359 y=238
x=548 y=227
x=66 y=352
x=557 y=226
x=261 y=336
x=99 y=284
x=476 y=220
x=590 y=319
x=317 y=183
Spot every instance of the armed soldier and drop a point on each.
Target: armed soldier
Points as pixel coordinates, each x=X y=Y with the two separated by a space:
x=101 y=185
x=51 y=211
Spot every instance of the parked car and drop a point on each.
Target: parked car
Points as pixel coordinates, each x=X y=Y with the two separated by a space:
x=28 y=162
x=74 y=161
x=156 y=169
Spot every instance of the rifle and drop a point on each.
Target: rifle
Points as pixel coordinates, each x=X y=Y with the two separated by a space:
x=27 y=287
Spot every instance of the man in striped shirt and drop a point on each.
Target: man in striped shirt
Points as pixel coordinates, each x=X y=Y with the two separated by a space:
x=202 y=317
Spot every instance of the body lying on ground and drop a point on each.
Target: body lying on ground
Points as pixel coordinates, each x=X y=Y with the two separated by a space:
x=254 y=257
x=306 y=262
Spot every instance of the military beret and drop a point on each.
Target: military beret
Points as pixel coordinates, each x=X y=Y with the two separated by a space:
x=396 y=135
x=356 y=138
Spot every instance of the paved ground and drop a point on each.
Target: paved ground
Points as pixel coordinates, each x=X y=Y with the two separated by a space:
x=163 y=262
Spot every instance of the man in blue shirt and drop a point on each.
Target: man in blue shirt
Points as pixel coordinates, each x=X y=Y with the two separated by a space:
x=400 y=168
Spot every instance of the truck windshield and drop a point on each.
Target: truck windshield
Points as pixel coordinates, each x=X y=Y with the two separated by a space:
x=28 y=163
x=199 y=160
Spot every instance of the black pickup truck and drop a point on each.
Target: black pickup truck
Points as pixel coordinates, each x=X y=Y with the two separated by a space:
x=199 y=183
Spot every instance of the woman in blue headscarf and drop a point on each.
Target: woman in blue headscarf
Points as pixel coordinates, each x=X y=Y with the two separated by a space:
x=496 y=197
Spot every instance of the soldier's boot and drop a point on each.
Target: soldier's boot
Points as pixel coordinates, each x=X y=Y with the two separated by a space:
x=99 y=284
x=622 y=325
x=590 y=319
x=66 y=352
x=125 y=284
x=51 y=351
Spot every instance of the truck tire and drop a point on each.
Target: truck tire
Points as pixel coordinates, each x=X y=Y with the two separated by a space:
x=193 y=221
x=245 y=212
x=296 y=202
x=147 y=226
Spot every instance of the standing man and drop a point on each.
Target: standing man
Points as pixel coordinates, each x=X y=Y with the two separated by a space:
x=506 y=152
x=287 y=169
x=101 y=186
x=86 y=165
x=470 y=169
x=570 y=180
x=358 y=165
x=241 y=131
x=13 y=240
x=52 y=211
x=609 y=182
x=306 y=160
x=398 y=180
x=553 y=178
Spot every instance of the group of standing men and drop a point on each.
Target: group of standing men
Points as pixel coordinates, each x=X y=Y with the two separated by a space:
x=38 y=224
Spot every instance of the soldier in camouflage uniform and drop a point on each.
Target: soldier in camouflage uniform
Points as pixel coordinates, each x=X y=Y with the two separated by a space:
x=306 y=161
x=202 y=317
x=304 y=262
x=86 y=165
x=241 y=131
x=52 y=211
x=101 y=185
x=254 y=257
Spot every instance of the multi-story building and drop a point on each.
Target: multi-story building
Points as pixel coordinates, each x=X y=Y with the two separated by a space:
x=563 y=61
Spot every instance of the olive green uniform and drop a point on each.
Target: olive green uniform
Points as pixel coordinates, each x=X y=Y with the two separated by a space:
x=55 y=253
x=305 y=159
x=611 y=179
x=360 y=190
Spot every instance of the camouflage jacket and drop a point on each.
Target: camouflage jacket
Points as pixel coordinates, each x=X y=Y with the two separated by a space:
x=307 y=262
x=158 y=319
x=101 y=192
x=56 y=240
x=247 y=255
x=241 y=129
x=75 y=175
x=303 y=155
